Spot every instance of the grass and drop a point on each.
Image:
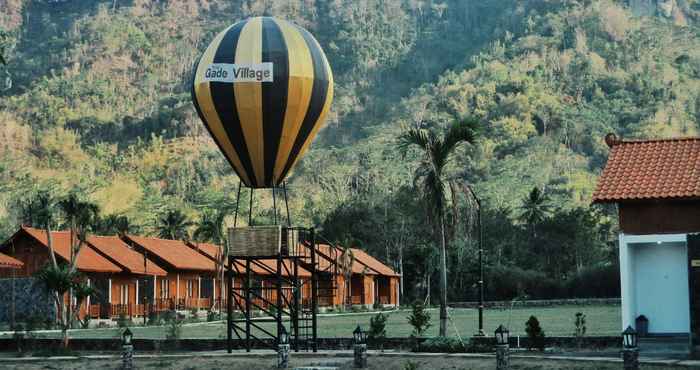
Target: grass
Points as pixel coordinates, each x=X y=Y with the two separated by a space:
x=556 y=321
x=342 y=363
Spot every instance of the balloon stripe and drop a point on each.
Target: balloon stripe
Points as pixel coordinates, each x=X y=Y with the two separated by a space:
x=274 y=94
x=204 y=104
x=223 y=97
x=249 y=99
x=319 y=95
x=301 y=76
x=321 y=118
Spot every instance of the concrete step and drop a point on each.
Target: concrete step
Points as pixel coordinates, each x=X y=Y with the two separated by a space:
x=666 y=344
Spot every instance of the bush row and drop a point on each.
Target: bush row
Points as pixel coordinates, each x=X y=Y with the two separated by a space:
x=505 y=283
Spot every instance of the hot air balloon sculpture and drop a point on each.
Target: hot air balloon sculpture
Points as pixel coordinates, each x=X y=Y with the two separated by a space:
x=263 y=88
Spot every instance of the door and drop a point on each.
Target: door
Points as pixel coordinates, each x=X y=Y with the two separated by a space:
x=661 y=286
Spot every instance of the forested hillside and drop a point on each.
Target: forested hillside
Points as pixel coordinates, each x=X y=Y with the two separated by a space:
x=99 y=102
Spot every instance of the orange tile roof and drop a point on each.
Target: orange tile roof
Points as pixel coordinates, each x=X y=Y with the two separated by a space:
x=333 y=252
x=650 y=169
x=114 y=249
x=212 y=251
x=88 y=259
x=174 y=252
x=271 y=265
x=10 y=262
x=372 y=263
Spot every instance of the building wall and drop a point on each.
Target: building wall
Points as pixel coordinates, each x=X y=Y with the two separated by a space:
x=654 y=281
x=643 y=218
x=33 y=254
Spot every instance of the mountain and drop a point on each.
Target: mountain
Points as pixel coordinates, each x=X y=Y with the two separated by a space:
x=99 y=99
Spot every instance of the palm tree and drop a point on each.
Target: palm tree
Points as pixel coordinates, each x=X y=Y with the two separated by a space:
x=211 y=228
x=535 y=209
x=173 y=225
x=59 y=280
x=40 y=210
x=437 y=153
x=80 y=215
x=114 y=224
x=345 y=262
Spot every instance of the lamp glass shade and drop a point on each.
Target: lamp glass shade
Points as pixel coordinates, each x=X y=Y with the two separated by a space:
x=502 y=335
x=359 y=336
x=284 y=338
x=127 y=336
x=629 y=338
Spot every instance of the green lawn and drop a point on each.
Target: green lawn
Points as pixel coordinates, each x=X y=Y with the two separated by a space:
x=601 y=320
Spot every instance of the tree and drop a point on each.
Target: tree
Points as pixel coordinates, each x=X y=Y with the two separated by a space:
x=114 y=224
x=211 y=228
x=345 y=262
x=58 y=281
x=79 y=215
x=173 y=225
x=437 y=152
x=535 y=209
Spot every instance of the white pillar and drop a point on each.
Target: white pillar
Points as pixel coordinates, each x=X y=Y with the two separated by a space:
x=177 y=288
x=626 y=286
x=109 y=291
x=88 y=298
x=155 y=278
x=137 y=291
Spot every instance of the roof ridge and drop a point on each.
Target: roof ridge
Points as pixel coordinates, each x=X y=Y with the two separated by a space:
x=656 y=140
x=156 y=238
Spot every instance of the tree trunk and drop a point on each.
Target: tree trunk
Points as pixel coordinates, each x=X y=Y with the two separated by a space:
x=49 y=239
x=443 y=279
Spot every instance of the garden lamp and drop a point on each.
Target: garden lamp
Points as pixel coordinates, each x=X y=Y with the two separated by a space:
x=359 y=336
x=629 y=337
x=126 y=337
x=502 y=334
x=284 y=338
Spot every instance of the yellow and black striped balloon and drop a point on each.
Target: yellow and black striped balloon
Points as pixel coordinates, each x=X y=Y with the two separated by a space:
x=263 y=123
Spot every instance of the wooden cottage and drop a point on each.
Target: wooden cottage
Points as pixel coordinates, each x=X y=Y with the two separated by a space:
x=656 y=187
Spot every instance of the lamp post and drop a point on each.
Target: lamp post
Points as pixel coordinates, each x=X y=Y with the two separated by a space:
x=481 y=262
x=127 y=350
x=502 y=350
x=630 y=351
x=283 y=348
x=359 y=339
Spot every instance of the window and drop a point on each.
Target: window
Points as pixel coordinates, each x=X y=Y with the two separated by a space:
x=124 y=294
x=164 y=288
x=190 y=288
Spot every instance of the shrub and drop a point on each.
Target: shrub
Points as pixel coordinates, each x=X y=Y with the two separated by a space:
x=212 y=316
x=410 y=365
x=579 y=327
x=377 y=329
x=419 y=319
x=173 y=330
x=441 y=345
x=534 y=333
x=123 y=321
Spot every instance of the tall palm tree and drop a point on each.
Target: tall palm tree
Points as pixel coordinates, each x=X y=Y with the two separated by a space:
x=431 y=174
x=345 y=262
x=40 y=210
x=173 y=225
x=80 y=215
x=535 y=209
x=211 y=228
x=114 y=224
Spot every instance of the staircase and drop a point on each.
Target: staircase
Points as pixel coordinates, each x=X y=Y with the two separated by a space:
x=321 y=261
